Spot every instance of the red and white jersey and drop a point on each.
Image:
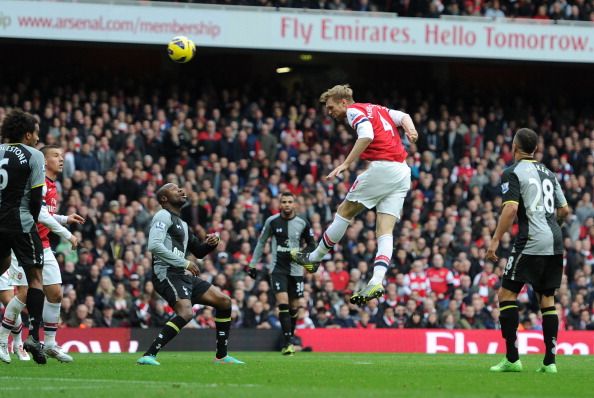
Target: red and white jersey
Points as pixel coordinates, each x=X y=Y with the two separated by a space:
x=50 y=200
x=418 y=282
x=439 y=279
x=386 y=143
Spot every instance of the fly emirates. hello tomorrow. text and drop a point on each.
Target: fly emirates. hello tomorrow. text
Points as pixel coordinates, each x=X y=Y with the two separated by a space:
x=431 y=34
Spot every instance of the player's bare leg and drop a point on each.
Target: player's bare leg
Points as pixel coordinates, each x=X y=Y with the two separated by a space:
x=4 y=264
x=214 y=297
x=51 y=318
x=12 y=315
x=334 y=233
x=385 y=245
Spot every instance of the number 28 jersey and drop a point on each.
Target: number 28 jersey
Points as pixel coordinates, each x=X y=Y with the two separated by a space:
x=386 y=143
x=538 y=194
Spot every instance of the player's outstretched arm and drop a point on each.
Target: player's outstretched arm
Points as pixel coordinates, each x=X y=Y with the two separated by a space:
x=404 y=120
x=360 y=145
x=46 y=219
x=199 y=250
x=70 y=219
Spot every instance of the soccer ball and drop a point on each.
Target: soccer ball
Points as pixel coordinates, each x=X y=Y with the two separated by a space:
x=181 y=49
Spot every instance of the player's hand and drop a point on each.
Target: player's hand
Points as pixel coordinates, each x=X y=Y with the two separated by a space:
x=212 y=240
x=73 y=241
x=251 y=271
x=412 y=136
x=193 y=268
x=75 y=219
x=493 y=246
x=336 y=172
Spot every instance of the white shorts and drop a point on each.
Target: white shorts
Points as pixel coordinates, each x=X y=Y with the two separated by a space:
x=51 y=270
x=16 y=273
x=5 y=282
x=383 y=185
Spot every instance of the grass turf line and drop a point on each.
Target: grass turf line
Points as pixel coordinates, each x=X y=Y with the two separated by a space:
x=305 y=375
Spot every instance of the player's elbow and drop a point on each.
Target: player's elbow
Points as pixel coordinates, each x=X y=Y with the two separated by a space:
x=511 y=208
x=563 y=212
x=153 y=247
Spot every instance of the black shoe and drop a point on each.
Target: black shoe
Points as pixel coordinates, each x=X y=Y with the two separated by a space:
x=35 y=348
x=302 y=258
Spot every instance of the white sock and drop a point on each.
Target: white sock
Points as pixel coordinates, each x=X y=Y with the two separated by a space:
x=333 y=234
x=11 y=313
x=51 y=318
x=385 y=247
x=17 y=338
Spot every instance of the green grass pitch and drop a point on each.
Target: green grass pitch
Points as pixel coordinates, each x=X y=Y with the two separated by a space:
x=305 y=375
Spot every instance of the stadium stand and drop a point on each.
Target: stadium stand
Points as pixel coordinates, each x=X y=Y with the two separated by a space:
x=577 y=10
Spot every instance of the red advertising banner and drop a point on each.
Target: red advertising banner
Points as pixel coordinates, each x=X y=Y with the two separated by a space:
x=429 y=341
x=432 y=341
x=97 y=340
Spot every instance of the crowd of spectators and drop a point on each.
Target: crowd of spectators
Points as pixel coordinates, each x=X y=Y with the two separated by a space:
x=234 y=151
x=571 y=10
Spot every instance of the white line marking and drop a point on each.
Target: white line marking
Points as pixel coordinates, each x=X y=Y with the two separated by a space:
x=107 y=381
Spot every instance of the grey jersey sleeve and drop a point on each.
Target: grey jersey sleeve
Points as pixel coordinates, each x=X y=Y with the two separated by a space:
x=264 y=235
x=156 y=240
x=560 y=200
x=37 y=164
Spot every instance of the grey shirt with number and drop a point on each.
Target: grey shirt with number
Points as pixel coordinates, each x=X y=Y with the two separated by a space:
x=538 y=194
x=287 y=234
x=22 y=168
x=169 y=241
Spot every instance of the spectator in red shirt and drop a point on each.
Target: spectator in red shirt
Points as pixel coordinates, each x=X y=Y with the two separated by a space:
x=416 y=281
x=210 y=139
x=441 y=279
x=340 y=277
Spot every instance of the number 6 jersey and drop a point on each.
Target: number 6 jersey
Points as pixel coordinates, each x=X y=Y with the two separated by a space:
x=538 y=194
x=22 y=168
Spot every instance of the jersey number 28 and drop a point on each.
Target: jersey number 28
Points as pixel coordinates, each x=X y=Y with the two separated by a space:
x=544 y=195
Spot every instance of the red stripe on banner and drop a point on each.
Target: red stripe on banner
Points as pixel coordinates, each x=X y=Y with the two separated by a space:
x=432 y=341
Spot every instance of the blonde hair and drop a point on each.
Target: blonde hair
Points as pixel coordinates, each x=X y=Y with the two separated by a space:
x=338 y=92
